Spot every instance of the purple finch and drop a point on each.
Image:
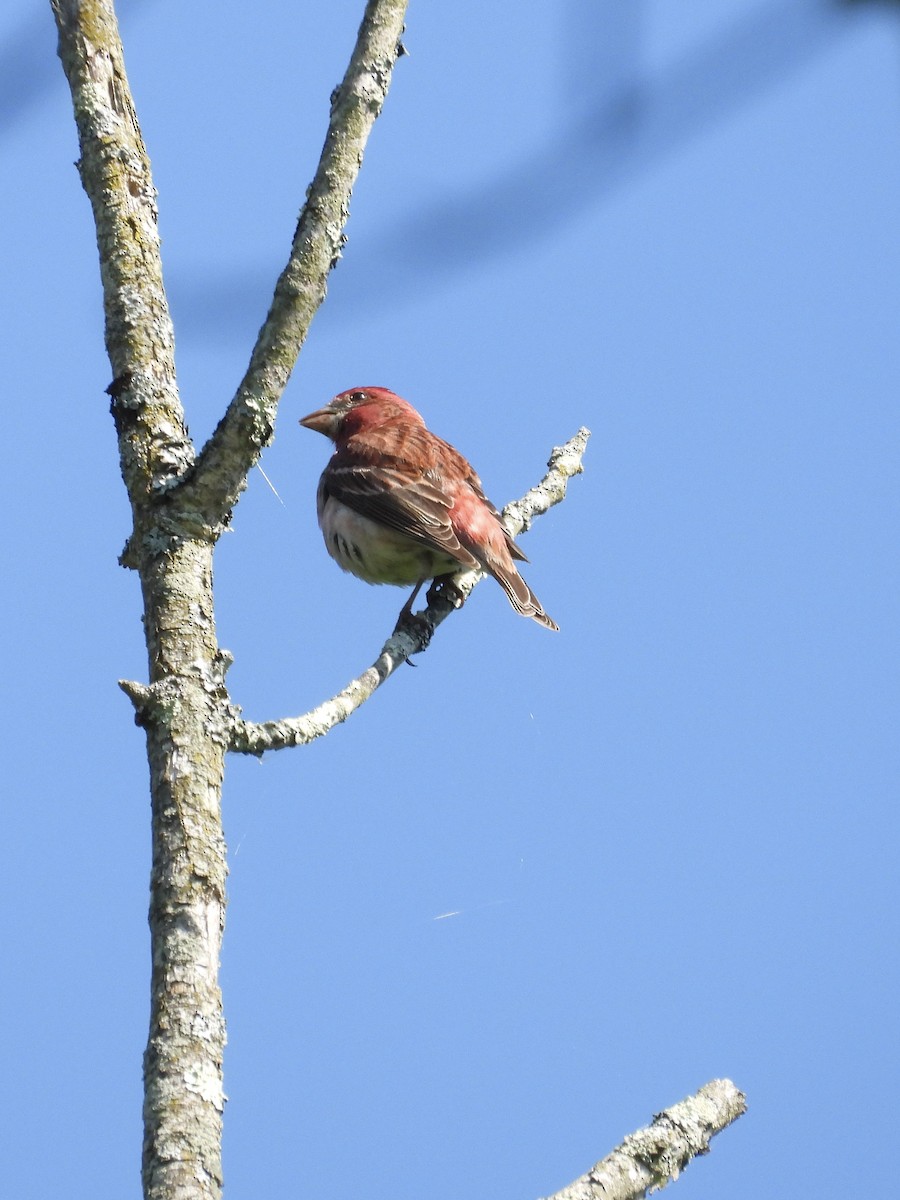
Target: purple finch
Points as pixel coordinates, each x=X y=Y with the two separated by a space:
x=398 y=505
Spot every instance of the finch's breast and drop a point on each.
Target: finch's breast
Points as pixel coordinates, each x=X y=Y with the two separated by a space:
x=376 y=553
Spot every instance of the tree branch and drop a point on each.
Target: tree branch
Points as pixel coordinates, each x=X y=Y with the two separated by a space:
x=656 y=1155
x=185 y=710
x=250 y=738
x=154 y=446
x=248 y=425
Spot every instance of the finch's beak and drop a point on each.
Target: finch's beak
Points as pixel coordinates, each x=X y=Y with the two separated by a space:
x=323 y=420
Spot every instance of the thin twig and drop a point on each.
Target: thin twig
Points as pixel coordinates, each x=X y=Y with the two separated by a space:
x=248 y=737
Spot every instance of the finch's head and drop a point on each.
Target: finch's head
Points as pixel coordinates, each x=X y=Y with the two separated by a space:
x=359 y=408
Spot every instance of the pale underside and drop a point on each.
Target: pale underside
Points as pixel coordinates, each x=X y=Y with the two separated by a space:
x=377 y=554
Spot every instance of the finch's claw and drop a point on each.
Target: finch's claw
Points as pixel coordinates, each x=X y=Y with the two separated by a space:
x=418 y=626
x=443 y=588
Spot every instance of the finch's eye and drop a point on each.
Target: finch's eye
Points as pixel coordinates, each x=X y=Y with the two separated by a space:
x=357 y=397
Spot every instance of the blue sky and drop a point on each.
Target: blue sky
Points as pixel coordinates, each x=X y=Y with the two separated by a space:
x=669 y=831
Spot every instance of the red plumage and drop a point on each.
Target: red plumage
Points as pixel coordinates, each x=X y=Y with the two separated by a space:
x=398 y=505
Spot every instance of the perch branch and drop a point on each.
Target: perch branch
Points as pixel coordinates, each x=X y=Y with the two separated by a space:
x=656 y=1155
x=248 y=425
x=250 y=738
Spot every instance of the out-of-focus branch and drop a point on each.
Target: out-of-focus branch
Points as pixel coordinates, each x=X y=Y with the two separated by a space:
x=248 y=737
x=656 y=1155
x=221 y=472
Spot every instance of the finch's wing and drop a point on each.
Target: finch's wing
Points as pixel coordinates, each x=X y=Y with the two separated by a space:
x=398 y=486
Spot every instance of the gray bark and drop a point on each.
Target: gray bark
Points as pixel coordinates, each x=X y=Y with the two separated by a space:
x=649 y=1159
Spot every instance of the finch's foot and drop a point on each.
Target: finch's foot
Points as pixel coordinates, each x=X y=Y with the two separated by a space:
x=418 y=626
x=443 y=588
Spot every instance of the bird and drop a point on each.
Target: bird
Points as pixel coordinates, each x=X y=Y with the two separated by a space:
x=398 y=505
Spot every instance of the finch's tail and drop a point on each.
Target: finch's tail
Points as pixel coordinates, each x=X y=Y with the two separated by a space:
x=521 y=597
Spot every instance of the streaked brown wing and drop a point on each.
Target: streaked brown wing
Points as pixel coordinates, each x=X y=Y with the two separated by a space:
x=397 y=495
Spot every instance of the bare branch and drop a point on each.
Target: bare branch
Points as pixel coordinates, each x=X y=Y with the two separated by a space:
x=185 y=710
x=656 y=1155
x=154 y=445
x=248 y=425
x=248 y=737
